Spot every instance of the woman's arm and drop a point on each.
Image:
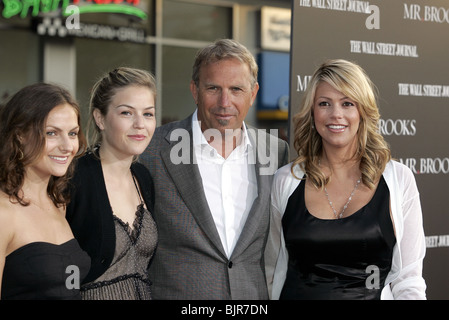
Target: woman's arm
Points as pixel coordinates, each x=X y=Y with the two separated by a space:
x=410 y=284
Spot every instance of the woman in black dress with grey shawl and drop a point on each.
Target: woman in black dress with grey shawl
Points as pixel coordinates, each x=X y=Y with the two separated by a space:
x=110 y=211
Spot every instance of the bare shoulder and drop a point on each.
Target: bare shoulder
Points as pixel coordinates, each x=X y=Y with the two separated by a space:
x=7 y=217
x=6 y=206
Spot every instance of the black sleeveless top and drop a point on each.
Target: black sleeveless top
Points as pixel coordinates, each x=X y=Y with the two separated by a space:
x=45 y=271
x=340 y=259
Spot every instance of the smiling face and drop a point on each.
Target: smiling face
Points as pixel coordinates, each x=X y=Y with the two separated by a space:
x=129 y=124
x=61 y=136
x=224 y=94
x=337 y=118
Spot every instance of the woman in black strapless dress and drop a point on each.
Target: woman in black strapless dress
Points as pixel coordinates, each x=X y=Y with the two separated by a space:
x=40 y=136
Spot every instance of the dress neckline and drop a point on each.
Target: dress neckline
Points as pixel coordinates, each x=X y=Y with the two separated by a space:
x=42 y=243
x=356 y=213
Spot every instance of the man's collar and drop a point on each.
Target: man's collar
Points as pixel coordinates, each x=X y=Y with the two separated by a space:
x=199 y=139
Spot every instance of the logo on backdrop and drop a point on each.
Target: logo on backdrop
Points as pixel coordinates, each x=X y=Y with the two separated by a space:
x=382 y=48
x=373 y=20
x=426 y=13
x=437 y=241
x=302 y=83
x=423 y=90
x=398 y=127
x=427 y=165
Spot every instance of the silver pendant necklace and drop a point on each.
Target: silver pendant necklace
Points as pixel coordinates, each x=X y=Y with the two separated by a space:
x=339 y=216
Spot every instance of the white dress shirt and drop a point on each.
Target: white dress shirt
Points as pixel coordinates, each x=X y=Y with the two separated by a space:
x=230 y=184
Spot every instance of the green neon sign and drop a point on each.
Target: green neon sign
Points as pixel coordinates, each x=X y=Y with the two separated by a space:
x=22 y=7
x=112 y=8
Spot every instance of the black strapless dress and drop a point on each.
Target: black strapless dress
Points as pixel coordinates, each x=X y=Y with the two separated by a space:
x=45 y=271
x=343 y=259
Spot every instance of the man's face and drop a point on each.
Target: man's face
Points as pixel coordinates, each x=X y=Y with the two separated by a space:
x=224 y=94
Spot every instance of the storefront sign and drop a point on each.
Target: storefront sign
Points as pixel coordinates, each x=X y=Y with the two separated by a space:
x=275 y=28
x=22 y=7
x=55 y=27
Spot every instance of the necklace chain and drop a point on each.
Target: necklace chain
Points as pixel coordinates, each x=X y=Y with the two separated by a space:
x=339 y=216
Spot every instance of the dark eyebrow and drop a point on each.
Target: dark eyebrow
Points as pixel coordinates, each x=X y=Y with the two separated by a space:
x=59 y=129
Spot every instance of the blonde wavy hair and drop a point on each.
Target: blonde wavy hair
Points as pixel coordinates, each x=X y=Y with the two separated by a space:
x=372 y=151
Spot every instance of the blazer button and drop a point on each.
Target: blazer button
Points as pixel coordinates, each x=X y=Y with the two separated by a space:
x=230 y=264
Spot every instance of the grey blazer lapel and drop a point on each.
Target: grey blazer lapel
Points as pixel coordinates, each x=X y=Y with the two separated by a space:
x=187 y=179
x=259 y=206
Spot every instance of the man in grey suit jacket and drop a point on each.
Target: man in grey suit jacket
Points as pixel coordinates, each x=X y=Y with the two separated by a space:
x=212 y=176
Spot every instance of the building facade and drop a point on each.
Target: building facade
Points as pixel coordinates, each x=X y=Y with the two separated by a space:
x=73 y=42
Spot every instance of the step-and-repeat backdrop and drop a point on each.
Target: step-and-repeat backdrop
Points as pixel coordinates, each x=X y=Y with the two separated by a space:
x=404 y=47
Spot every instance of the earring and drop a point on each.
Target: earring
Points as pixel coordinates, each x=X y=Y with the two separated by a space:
x=21 y=155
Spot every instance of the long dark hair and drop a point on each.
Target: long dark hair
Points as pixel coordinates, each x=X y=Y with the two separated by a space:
x=25 y=115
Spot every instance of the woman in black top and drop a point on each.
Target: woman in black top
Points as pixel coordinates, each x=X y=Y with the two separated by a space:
x=40 y=136
x=110 y=211
x=346 y=220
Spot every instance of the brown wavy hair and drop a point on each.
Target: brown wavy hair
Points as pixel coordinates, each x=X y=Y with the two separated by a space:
x=25 y=115
x=372 y=150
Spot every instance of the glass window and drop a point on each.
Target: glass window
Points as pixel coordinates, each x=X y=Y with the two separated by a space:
x=191 y=21
x=19 y=61
x=96 y=57
x=177 y=101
